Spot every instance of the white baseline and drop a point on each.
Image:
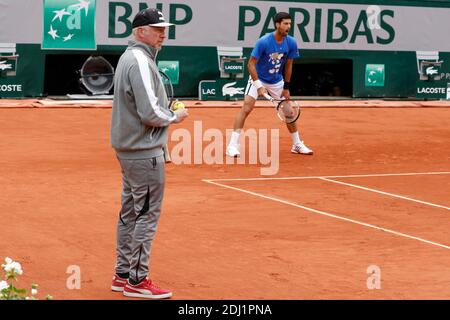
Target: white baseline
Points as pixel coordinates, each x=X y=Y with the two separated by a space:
x=331 y=177
x=386 y=193
x=334 y=216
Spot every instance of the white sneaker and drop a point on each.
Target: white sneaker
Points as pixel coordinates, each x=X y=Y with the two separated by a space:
x=233 y=151
x=301 y=149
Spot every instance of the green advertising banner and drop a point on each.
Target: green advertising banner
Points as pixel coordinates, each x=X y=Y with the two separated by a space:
x=222 y=89
x=172 y=69
x=233 y=67
x=374 y=75
x=10 y=88
x=433 y=90
x=207 y=90
x=229 y=89
x=69 y=24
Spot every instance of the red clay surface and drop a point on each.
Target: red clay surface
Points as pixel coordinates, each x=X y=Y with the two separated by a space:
x=60 y=198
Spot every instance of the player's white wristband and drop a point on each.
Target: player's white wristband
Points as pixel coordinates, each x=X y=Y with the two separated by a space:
x=257 y=84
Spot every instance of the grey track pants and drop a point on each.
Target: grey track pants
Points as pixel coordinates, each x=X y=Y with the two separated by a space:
x=142 y=194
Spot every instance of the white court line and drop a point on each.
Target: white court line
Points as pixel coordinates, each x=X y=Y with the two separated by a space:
x=329 y=214
x=347 y=176
x=386 y=193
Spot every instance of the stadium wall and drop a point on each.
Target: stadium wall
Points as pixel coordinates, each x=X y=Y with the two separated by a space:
x=389 y=34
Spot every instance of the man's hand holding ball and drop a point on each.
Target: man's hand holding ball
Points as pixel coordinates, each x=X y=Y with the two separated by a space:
x=180 y=111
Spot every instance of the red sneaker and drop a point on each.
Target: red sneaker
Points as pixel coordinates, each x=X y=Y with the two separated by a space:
x=146 y=289
x=118 y=283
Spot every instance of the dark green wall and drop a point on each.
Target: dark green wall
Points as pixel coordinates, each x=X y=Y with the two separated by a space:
x=200 y=63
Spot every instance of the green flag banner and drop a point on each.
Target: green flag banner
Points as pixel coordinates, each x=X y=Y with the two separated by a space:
x=172 y=69
x=69 y=24
x=374 y=75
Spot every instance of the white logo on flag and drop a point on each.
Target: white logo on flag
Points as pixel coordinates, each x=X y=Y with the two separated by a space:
x=228 y=89
x=4 y=66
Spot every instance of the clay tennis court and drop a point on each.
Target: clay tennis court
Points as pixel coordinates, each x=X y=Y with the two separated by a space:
x=376 y=192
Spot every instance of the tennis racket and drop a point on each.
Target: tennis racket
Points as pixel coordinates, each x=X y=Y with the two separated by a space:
x=169 y=92
x=287 y=110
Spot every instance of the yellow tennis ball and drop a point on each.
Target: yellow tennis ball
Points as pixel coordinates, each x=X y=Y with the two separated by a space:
x=178 y=105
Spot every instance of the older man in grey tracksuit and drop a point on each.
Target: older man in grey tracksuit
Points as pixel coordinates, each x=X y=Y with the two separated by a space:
x=140 y=120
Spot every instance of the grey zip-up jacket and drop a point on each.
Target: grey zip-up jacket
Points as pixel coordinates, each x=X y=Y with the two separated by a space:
x=140 y=113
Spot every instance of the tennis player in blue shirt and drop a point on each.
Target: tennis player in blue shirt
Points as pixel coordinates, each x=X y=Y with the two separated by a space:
x=270 y=69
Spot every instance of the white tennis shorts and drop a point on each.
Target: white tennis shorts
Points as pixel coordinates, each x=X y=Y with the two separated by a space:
x=275 y=89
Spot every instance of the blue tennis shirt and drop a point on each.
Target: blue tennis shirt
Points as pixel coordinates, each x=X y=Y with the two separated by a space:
x=272 y=57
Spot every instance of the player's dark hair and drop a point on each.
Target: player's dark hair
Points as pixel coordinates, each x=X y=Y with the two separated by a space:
x=280 y=16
